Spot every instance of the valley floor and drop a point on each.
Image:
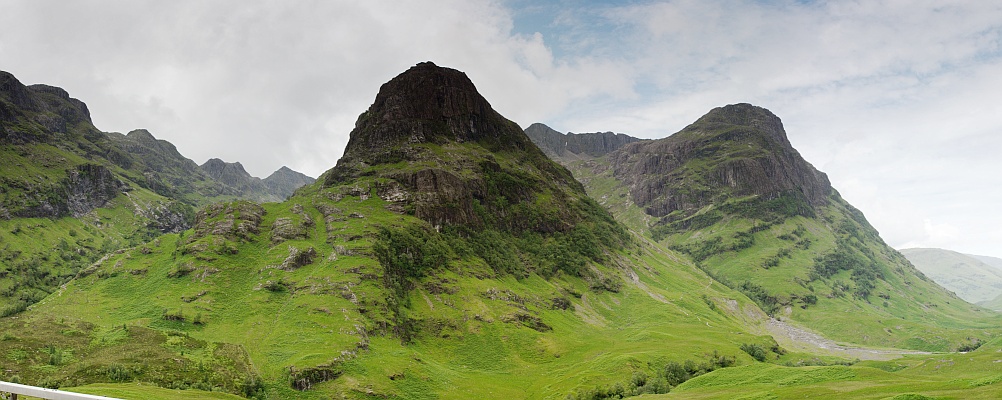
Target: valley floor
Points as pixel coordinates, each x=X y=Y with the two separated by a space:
x=800 y=339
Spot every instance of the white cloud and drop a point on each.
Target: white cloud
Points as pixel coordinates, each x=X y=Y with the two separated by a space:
x=269 y=83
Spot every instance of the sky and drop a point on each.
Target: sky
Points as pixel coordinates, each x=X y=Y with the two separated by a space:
x=899 y=102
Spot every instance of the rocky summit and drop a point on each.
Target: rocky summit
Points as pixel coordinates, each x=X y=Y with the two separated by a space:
x=453 y=160
x=428 y=104
x=736 y=150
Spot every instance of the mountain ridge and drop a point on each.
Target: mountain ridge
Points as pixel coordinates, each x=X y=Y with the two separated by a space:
x=70 y=194
x=446 y=256
x=731 y=192
x=556 y=144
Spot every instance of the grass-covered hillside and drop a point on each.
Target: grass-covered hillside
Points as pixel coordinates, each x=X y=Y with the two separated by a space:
x=446 y=257
x=414 y=269
x=71 y=195
x=729 y=192
x=64 y=203
x=973 y=375
x=331 y=293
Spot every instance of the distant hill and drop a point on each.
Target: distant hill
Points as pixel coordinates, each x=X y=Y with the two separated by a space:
x=275 y=188
x=284 y=181
x=965 y=275
x=993 y=261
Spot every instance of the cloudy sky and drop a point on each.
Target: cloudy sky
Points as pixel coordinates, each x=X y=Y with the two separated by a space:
x=900 y=102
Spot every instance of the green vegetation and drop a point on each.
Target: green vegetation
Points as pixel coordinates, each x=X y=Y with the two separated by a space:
x=827 y=269
x=911 y=377
x=474 y=269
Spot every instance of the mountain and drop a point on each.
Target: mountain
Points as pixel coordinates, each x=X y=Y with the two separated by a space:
x=967 y=276
x=71 y=194
x=445 y=256
x=234 y=176
x=576 y=145
x=992 y=304
x=731 y=192
x=284 y=181
x=157 y=165
x=276 y=187
x=65 y=202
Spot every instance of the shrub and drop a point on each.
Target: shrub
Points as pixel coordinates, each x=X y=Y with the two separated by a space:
x=755 y=351
x=172 y=315
x=971 y=345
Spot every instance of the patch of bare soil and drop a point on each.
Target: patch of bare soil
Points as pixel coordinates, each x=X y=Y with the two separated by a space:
x=800 y=339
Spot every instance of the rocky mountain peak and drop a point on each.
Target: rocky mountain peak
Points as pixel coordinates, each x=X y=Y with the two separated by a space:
x=454 y=160
x=736 y=150
x=223 y=171
x=46 y=107
x=285 y=181
x=428 y=104
x=141 y=135
x=11 y=90
x=742 y=115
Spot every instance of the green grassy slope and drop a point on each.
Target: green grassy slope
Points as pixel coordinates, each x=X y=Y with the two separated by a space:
x=473 y=331
x=71 y=194
x=823 y=266
x=975 y=375
x=39 y=253
x=454 y=267
x=968 y=277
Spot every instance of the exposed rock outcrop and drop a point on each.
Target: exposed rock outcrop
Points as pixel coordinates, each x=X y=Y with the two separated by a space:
x=462 y=161
x=239 y=220
x=557 y=145
x=737 y=150
x=90 y=186
x=39 y=113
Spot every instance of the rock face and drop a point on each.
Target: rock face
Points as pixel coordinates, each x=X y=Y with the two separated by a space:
x=453 y=160
x=232 y=174
x=50 y=109
x=91 y=186
x=427 y=104
x=736 y=150
x=558 y=145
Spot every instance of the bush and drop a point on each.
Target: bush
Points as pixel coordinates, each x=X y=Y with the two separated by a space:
x=971 y=345
x=755 y=351
x=672 y=374
x=172 y=315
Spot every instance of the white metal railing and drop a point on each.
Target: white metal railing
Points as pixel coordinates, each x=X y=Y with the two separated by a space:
x=15 y=389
